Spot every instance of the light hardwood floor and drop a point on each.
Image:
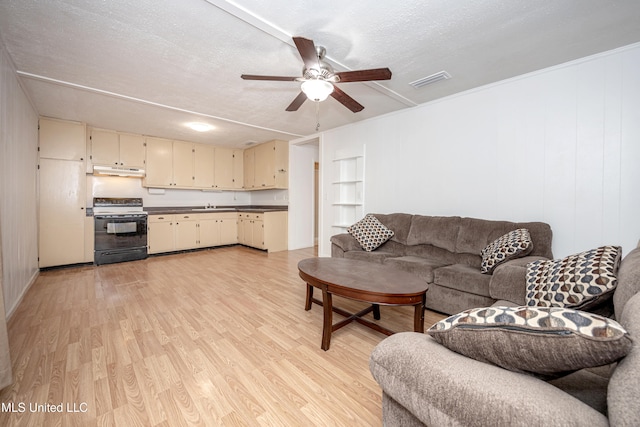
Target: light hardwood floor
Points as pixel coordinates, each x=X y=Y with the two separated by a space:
x=217 y=337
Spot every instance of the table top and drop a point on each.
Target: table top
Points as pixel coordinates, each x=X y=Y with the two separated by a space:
x=361 y=280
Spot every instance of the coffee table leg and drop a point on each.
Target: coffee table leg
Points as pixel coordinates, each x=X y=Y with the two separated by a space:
x=307 y=304
x=418 y=317
x=328 y=319
x=376 y=311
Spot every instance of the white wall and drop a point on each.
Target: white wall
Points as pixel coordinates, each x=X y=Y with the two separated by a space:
x=302 y=158
x=561 y=145
x=18 y=193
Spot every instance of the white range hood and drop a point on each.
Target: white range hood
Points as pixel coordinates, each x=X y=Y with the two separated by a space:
x=118 y=171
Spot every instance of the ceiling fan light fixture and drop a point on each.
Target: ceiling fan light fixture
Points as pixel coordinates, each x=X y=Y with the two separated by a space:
x=317 y=90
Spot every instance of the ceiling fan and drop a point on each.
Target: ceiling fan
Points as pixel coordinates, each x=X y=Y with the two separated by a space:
x=318 y=78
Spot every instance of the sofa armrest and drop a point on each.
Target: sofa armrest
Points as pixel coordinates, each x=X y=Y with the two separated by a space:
x=441 y=387
x=509 y=280
x=341 y=243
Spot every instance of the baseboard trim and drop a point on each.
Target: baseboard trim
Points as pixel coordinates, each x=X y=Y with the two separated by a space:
x=13 y=309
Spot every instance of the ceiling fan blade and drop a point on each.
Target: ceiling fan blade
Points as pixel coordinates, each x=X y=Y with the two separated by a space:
x=307 y=51
x=346 y=100
x=297 y=102
x=364 y=75
x=275 y=78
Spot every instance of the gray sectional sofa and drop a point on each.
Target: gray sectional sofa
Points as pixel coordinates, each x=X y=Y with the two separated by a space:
x=424 y=383
x=445 y=252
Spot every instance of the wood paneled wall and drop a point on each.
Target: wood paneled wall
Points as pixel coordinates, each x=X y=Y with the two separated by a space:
x=18 y=188
x=560 y=145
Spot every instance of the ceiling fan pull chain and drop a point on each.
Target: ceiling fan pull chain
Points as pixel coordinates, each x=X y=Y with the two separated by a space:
x=317 y=116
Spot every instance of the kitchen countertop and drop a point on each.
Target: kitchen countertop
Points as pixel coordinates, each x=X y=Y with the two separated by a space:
x=172 y=210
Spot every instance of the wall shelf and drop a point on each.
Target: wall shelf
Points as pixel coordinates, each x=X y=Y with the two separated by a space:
x=348 y=191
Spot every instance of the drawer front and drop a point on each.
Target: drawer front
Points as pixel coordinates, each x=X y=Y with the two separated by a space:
x=161 y=218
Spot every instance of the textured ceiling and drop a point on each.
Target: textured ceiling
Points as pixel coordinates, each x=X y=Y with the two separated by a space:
x=150 y=66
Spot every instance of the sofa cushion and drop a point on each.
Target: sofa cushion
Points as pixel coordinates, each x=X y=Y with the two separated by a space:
x=509 y=280
x=443 y=388
x=463 y=278
x=400 y=223
x=623 y=390
x=628 y=281
x=421 y=267
x=475 y=234
x=583 y=281
x=376 y=256
x=434 y=230
x=543 y=341
x=370 y=232
x=514 y=244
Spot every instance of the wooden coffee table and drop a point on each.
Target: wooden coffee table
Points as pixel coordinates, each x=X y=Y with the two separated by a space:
x=360 y=281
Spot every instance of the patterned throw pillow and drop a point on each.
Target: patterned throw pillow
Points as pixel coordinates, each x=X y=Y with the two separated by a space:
x=514 y=244
x=370 y=233
x=581 y=281
x=546 y=342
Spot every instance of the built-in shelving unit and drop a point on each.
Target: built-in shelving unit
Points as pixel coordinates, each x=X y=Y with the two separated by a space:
x=348 y=191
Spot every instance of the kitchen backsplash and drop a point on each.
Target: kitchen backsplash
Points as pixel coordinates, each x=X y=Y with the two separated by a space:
x=107 y=186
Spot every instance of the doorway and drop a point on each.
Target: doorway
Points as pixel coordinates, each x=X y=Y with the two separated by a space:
x=304 y=194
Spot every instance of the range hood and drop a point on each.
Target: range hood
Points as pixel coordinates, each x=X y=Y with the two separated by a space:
x=118 y=171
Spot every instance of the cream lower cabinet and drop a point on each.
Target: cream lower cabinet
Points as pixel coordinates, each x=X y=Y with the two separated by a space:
x=186 y=232
x=263 y=230
x=168 y=233
x=160 y=234
x=228 y=224
x=218 y=229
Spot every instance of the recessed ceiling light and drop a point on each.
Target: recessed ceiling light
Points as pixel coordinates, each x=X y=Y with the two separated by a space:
x=200 y=127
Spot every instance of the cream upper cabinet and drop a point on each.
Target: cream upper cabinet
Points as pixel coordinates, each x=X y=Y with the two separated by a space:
x=105 y=147
x=182 y=164
x=203 y=166
x=183 y=174
x=249 y=156
x=224 y=168
x=62 y=140
x=132 y=151
x=281 y=164
x=159 y=167
x=169 y=163
x=238 y=169
x=266 y=165
x=111 y=148
x=228 y=168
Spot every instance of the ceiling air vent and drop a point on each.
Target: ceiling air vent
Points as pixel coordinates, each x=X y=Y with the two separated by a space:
x=433 y=78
